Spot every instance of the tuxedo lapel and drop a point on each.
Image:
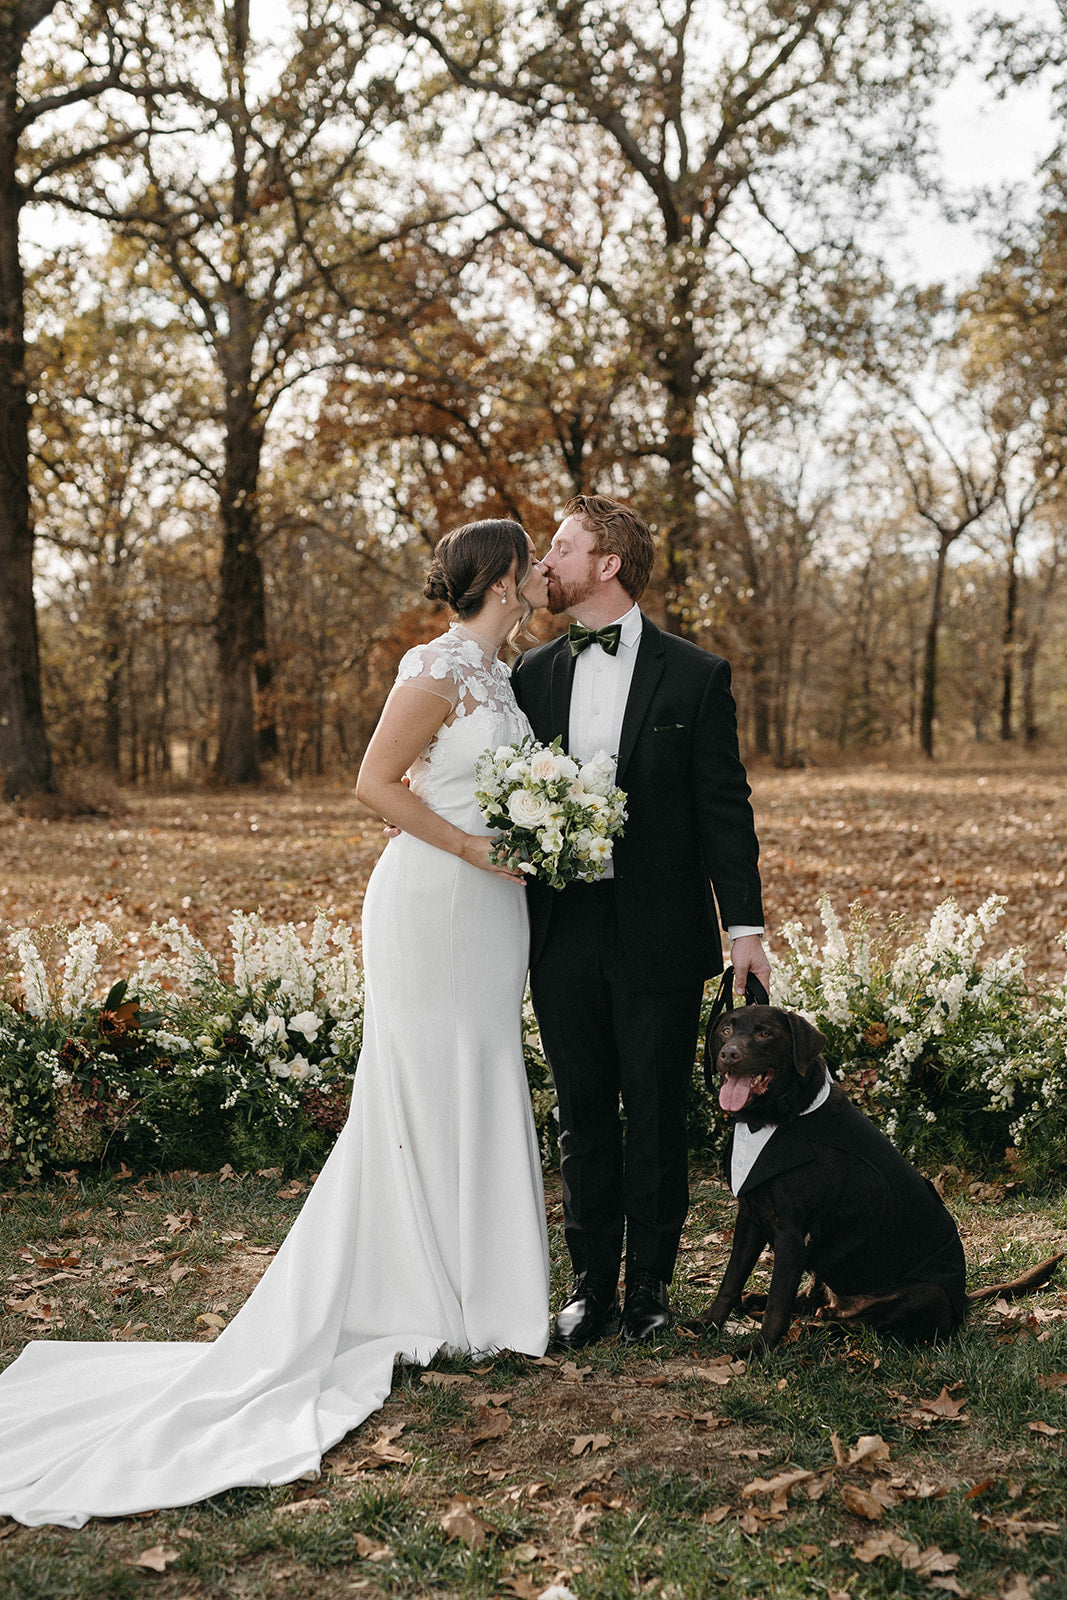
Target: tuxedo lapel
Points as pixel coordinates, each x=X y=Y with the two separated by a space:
x=559 y=690
x=648 y=669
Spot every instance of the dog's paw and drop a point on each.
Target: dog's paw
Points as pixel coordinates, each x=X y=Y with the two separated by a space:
x=700 y=1325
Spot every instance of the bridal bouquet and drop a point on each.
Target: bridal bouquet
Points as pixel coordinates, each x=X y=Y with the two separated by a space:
x=557 y=818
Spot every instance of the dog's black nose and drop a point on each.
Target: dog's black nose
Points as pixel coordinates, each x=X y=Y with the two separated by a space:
x=731 y=1052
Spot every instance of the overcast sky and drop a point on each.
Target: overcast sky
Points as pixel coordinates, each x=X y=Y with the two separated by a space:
x=984 y=143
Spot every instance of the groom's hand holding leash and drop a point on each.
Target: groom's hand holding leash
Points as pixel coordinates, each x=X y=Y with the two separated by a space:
x=747 y=955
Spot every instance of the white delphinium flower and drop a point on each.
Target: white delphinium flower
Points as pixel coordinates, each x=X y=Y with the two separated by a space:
x=33 y=976
x=81 y=964
x=341 y=977
x=190 y=966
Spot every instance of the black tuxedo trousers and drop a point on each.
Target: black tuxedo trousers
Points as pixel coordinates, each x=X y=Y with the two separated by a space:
x=617 y=968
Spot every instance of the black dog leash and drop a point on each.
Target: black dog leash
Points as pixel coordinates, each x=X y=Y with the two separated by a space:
x=755 y=995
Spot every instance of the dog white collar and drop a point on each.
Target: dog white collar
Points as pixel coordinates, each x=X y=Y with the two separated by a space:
x=749 y=1142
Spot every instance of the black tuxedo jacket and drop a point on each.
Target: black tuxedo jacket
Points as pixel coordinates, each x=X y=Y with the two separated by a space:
x=689 y=827
x=871 y=1220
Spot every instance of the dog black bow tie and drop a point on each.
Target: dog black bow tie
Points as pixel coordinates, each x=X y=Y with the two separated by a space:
x=581 y=638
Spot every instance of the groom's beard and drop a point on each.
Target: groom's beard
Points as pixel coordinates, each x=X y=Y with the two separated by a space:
x=565 y=596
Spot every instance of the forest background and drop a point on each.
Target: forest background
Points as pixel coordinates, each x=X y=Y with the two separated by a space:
x=287 y=290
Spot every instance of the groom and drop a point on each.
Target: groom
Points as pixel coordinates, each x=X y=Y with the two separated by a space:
x=617 y=967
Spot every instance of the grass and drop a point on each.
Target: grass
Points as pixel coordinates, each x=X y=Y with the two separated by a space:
x=665 y=1498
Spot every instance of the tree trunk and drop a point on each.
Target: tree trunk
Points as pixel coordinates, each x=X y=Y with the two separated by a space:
x=1007 y=640
x=25 y=758
x=928 y=698
x=240 y=627
x=680 y=499
x=239 y=621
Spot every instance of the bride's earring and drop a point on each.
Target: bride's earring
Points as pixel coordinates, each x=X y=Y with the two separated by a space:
x=503 y=599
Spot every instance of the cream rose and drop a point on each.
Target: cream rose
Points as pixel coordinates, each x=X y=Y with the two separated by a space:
x=528 y=810
x=544 y=766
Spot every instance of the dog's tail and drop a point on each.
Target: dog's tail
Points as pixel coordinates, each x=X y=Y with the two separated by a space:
x=1035 y=1278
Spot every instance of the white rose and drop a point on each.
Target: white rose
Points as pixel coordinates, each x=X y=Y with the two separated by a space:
x=545 y=766
x=528 y=810
x=306 y=1023
x=598 y=775
x=568 y=768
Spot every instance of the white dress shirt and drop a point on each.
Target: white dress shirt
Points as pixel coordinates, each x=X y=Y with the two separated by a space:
x=599 y=693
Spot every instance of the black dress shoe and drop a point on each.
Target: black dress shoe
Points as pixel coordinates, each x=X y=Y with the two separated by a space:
x=646 y=1311
x=587 y=1315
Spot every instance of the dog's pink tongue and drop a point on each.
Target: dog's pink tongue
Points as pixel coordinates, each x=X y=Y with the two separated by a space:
x=734 y=1093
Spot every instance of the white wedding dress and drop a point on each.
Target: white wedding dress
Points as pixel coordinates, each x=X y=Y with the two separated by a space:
x=424 y=1231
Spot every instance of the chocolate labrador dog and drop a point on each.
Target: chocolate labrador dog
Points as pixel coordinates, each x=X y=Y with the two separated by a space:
x=816 y=1180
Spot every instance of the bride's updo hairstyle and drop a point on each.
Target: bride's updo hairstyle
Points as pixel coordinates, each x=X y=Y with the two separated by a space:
x=469 y=560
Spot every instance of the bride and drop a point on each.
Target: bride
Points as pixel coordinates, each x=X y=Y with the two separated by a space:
x=426 y=1227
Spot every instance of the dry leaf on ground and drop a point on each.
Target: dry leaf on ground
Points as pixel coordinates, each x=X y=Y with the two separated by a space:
x=157 y=1559
x=460 y=1521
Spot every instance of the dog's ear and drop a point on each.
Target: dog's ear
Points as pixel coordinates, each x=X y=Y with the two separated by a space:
x=808 y=1042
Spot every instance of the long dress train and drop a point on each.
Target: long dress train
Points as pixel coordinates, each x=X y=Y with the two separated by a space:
x=424 y=1231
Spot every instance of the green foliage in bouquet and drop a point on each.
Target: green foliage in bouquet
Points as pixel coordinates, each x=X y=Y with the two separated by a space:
x=952 y=1054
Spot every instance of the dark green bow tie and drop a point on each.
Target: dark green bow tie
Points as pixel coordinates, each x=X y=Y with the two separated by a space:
x=581 y=638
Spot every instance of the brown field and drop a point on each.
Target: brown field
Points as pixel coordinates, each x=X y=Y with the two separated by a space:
x=898 y=840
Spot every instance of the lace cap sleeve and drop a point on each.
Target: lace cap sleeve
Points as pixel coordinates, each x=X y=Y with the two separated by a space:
x=432 y=667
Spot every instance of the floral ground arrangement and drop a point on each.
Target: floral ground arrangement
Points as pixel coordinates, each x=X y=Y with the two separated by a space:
x=248 y=1062
x=841 y=1466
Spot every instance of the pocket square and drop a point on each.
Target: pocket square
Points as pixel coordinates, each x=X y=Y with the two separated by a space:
x=669 y=727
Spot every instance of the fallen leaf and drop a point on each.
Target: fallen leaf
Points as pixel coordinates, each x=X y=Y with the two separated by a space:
x=386 y=1450
x=1044 y=1428
x=722 y=1373
x=300 y=1508
x=871 y=1447
x=884 y=1544
x=446 y=1380
x=460 y=1521
x=522 y=1585
x=1052 y=1380
x=583 y=1517
x=158 y=1559
x=944 y=1406
x=372 y=1549
x=869 y=1503
x=590 y=1442
x=495 y=1424
x=780 y=1485
x=1017 y=1587
x=573 y=1373
x=716 y=1515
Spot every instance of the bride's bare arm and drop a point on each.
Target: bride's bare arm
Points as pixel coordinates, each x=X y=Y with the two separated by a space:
x=408 y=722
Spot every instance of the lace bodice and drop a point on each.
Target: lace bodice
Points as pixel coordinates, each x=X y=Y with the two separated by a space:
x=483 y=716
